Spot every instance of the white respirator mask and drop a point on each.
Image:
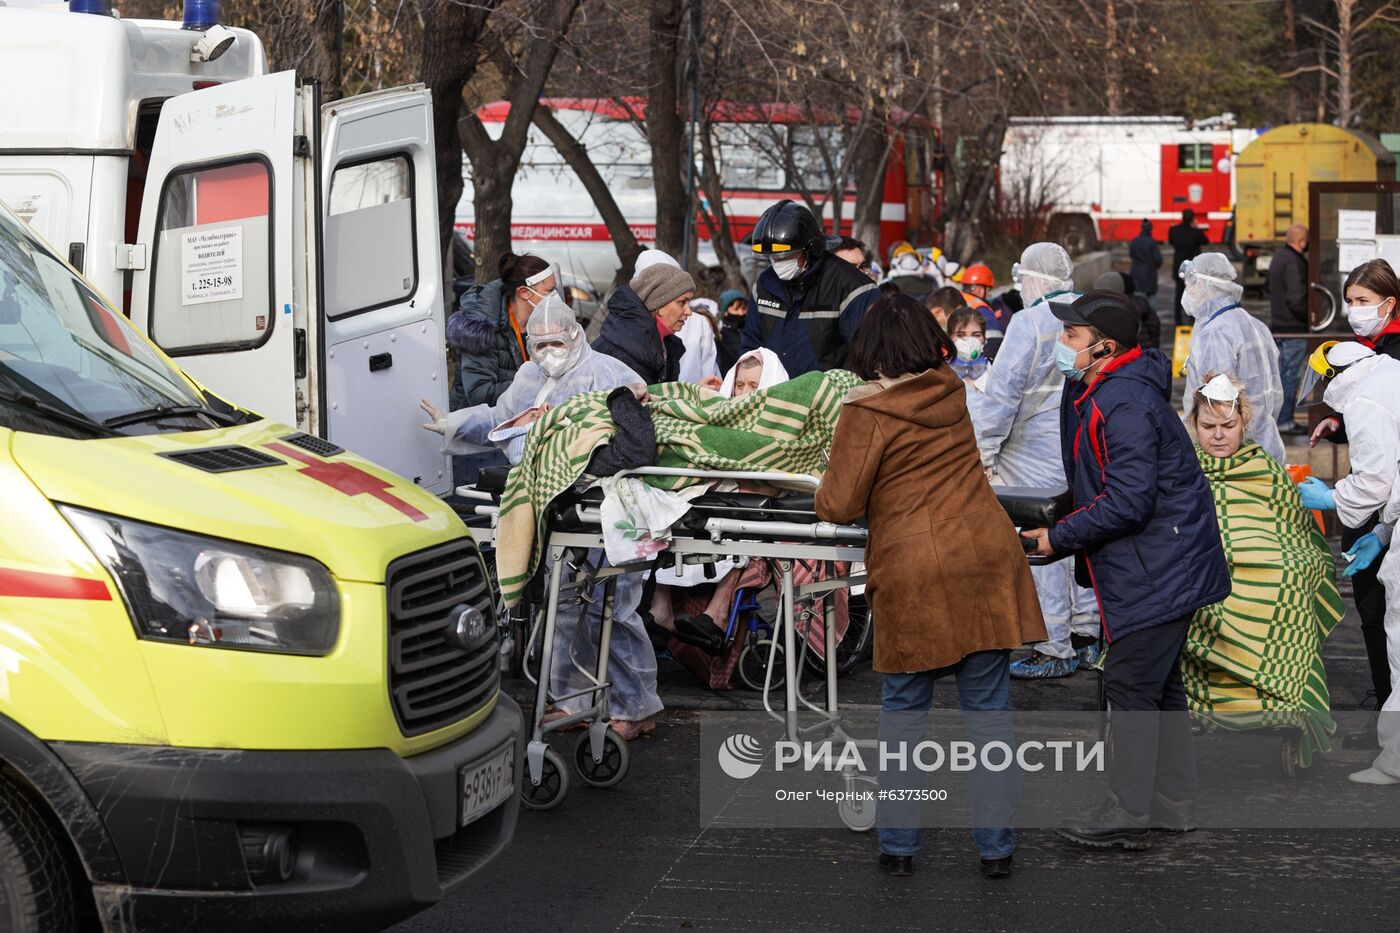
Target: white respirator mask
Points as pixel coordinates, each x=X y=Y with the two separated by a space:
x=969 y=348
x=787 y=269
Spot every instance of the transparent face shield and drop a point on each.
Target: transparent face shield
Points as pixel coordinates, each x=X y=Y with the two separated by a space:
x=1316 y=375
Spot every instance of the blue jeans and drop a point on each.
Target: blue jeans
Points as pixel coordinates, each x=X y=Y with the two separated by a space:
x=1292 y=353
x=984 y=687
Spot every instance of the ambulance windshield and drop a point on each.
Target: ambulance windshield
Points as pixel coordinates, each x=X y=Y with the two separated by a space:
x=69 y=363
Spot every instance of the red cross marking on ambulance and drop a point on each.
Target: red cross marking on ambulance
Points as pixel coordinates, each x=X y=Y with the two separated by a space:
x=348 y=479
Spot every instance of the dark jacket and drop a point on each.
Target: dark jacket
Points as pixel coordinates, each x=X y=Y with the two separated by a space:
x=1288 y=292
x=730 y=345
x=1146 y=258
x=629 y=335
x=1144 y=526
x=904 y=456
x=1186 y=240
x=809 y=323
x=1149 y=324
x=488 y=352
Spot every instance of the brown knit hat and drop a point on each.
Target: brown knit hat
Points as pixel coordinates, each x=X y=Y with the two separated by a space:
x=659 y=285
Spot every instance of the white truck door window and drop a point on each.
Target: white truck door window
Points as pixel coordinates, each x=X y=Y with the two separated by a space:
x=213 y=261
x=369 y=236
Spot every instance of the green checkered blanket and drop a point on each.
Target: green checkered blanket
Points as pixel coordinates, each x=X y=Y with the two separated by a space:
x=1255 y=660
x=787 y=428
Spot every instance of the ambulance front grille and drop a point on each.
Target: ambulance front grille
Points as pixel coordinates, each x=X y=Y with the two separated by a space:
x=433 y=680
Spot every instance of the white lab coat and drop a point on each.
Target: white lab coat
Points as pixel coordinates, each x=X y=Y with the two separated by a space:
x=1016 y=418
x=1366 y=393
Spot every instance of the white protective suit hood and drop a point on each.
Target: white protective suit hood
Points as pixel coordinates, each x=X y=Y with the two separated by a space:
x=1342 y=389
x=553 y=322
x=469 y=430
x=1210 y=285
x=772 y=374
x=1044 y=268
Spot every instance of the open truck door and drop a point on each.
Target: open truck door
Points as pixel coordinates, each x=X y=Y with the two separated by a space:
x=215 y=286
x=382 y=309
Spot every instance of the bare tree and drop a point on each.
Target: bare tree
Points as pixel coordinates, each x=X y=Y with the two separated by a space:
x=665 y=127
x=1341 y=46
x=495 y=161
x=452 y=36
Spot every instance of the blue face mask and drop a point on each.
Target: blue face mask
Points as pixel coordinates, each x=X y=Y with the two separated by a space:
x=1065 y=358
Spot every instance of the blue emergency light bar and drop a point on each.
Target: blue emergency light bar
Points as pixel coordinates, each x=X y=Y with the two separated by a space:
x=100 y=7
x=201 y=14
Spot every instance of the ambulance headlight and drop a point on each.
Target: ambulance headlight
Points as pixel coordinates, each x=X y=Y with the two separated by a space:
x=180 y=587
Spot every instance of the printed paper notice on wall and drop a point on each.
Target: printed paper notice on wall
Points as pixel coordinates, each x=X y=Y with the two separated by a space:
x=1356 y=225
x=211 y=265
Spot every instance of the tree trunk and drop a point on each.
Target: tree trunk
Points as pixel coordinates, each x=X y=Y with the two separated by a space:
x=1345 y=9
x=871 y=153
x=1290 y=47
x=326 y=61
x=1322 y=82
x=492 y=204
x=721 y=237
x=451 y=36
x=665 y=129
x=577 y=158
x=1113 y=78
x=495 y=161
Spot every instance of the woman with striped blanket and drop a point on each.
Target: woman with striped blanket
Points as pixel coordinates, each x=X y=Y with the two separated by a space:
x=1255 y=660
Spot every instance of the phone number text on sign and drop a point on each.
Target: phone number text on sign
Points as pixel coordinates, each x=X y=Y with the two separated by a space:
x=211 y=266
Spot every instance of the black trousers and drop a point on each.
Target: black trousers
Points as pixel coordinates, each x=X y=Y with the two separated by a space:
x=1177 y=310
x=1369 y=595
x=1149 y=726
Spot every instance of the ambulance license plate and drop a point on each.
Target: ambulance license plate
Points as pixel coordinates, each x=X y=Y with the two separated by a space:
x=486 y=783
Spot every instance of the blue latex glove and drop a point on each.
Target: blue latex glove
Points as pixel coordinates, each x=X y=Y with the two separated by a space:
x=1316 y=494
x=1363 y=553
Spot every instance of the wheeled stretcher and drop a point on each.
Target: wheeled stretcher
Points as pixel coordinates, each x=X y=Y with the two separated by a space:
x=781 y=529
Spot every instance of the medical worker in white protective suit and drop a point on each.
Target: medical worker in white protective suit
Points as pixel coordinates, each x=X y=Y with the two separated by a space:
x=1017 y=421
x=1225 y=338
x=562 y=365
x=1364 y=390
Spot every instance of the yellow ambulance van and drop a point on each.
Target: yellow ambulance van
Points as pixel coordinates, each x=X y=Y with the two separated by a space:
x=248 y=680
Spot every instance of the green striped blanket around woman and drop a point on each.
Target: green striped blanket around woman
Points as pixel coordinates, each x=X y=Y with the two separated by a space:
x=787 y=428
x=1255 y=660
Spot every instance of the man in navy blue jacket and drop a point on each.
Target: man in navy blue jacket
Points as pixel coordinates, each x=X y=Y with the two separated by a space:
x=1145 y=535
x=807 y=305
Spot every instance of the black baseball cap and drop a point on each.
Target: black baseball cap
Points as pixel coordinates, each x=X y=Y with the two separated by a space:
x=1109 y=313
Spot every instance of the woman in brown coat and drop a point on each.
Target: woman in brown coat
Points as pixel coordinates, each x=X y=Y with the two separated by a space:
x=949 y=587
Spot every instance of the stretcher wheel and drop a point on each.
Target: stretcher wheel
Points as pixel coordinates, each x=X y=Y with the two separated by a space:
x=753 y=664
x=613 y=766
x=858 y=815
x=552 y=788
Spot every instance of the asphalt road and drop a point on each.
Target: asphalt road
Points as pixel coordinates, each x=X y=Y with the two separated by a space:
x=637 y=856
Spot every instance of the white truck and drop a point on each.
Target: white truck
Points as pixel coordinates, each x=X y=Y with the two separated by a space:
x=1099 y=178
x=284 y=252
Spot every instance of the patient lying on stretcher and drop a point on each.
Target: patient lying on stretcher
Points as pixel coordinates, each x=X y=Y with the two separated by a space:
x=690 y=607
